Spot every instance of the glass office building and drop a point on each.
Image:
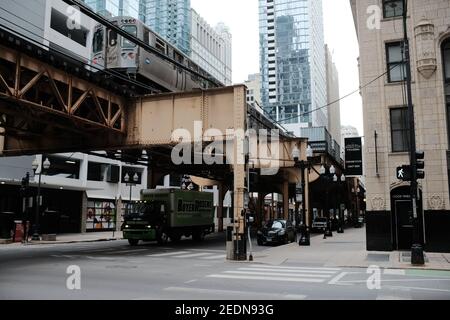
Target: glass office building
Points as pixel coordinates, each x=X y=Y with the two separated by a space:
x=113 y=8
x=171 y=19
x=293 y=68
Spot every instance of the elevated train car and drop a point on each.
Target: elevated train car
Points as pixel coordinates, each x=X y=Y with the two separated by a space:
x=72 y=36
x=111 y=51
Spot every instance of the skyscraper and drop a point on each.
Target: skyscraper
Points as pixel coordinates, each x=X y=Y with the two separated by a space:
x=292 y=57
x=113 y=8
x=211 y=48
x=334 y=106
x=171 y=19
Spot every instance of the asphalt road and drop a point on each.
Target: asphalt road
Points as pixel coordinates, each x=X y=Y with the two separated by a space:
x=194 y=271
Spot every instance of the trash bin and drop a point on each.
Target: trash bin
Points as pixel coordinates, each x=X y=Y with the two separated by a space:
x=6 y=224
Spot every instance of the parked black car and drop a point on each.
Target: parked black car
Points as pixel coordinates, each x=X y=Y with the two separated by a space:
x=276 y=232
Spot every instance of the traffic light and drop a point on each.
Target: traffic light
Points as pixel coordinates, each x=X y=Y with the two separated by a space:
x=420 y=165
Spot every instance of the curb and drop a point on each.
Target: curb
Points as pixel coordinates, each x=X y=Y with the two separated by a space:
x=36 y=243
x=397 y=267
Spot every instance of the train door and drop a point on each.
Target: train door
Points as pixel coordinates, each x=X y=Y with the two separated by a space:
x=112 y=49
x=98 y=48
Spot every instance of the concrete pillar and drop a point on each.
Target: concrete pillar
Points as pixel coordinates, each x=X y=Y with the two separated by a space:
x=286 y=200
x=84 y=203
x=239 y=172
x=119 y=213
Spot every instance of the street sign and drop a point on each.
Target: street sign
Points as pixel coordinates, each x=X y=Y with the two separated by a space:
x=404 y=173
x=353 y=157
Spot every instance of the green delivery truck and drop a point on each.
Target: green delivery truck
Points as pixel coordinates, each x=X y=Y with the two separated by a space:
x=164 y=214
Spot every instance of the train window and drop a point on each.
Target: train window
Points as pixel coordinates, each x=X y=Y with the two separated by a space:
x=160 y=45
x=146 y=36
x=178 y=57
x=112 y=38
x=59 y=24
x=98 y=41
x=131 y=30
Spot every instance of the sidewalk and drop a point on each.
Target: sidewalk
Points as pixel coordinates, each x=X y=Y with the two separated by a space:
x=78 y=237
x=347 y=250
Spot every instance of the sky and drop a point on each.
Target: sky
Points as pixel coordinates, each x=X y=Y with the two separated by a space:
x=241 y=16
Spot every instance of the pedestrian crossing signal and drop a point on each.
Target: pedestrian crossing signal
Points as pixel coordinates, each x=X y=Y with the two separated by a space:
x=404 y=173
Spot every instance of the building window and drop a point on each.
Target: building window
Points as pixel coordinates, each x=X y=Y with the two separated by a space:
x=101 y=215
x=399 y=129
x=396 y=64
x=392 y=8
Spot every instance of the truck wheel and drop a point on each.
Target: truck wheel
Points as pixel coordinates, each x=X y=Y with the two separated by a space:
x=133 y=242
x=198 y=235
x=175 y=237
x=163 y=238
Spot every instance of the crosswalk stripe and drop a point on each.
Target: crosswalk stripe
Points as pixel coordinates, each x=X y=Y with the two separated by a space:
x=167 y=254
x=291 y=279
x=288 y=270
x=192 y=255
x=294 y=268
x=280 y=275
x=220 y=256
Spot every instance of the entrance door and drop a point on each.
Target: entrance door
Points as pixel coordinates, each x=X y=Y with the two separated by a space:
x=403 y=224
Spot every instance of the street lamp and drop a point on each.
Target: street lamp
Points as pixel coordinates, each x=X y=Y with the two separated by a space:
x=303 y=165
x=41 y=166
x=130 y=184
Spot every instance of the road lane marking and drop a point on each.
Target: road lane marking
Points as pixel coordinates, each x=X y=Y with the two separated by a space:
x=253 y=295
x=335 y=280
x=394 y=272
x=294 y=268
x=192 y=255
x=167 y=254
x=220 y=256
x=417 y=288
x=278 y=274
x=190 y=281
x=292 y=279
x=289 y=271
x=394 y=280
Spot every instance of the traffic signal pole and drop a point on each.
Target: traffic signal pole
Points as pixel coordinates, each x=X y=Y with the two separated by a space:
x=417 y=249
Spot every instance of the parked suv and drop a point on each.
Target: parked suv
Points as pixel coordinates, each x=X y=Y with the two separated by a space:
x=319 y=224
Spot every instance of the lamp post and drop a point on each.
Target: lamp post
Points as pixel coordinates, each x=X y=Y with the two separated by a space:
x=41 y=166
x=328 y=179
x=303 y=165
x=130 y=184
